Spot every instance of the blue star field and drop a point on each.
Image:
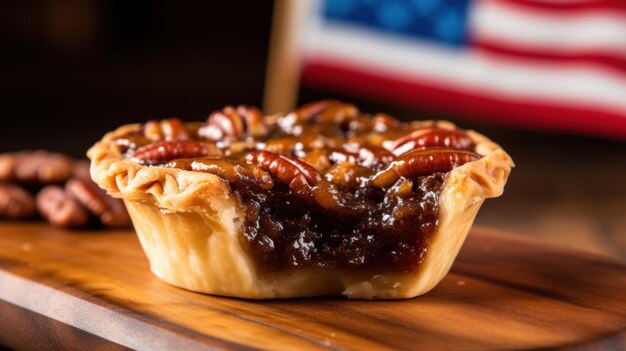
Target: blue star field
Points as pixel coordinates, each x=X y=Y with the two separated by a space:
x=441 y=21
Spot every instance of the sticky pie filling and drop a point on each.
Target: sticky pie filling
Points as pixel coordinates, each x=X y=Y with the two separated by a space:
x=325 y=186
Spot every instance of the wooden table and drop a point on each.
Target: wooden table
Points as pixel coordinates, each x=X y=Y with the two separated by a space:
x=79 y=290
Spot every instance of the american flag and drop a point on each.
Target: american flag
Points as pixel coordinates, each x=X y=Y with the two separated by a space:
x=549 y=64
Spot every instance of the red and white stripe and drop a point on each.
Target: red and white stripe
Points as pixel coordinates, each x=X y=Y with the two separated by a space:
x=563 y=31
x=550 y=64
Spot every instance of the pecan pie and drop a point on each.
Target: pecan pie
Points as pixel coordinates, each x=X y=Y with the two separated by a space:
x=325 y=200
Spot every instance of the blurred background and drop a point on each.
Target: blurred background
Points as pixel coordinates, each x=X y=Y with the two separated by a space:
x=71 y=70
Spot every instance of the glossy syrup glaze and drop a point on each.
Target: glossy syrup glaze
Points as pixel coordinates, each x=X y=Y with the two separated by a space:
x=325 y=186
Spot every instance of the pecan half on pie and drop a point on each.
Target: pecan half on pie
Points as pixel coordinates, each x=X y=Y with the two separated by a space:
x=325 y=200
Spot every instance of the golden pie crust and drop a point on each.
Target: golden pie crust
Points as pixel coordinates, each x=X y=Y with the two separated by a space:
x=190 y=225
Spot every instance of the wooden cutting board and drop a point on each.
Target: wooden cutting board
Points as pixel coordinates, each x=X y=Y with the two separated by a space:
x=93 y=290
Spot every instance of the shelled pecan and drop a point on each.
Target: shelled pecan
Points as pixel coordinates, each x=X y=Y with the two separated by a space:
x=167 y=129
x=109 y=211
x=60 y=208
x=369 y=157
x=422 y=162
x=287 y=170
x=327 y=111
x=234 y=123
x=432 y=137
x=15 y=202
x=164 y=151
x=35 y=167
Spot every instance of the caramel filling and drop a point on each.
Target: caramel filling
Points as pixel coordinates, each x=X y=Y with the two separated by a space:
x=322 y=187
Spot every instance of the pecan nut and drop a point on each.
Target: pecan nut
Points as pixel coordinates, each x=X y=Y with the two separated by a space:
x=432 y=137
x=347 y=174
x=224 y=124
x=15 y=202
x=285 y=145
x=327 y=111
x=318 y=159
x=418 y=163
x=253 y=121
x=381 y=122
x=60 y=208
x=287 y=170
x=309 y=111
x=174 y=129
x=369 y=157
x=35 y=167
x=111 y=212
x=164 y=151
x=233 y=123
x=167 y=129
x=152 y=130
x=236 y=173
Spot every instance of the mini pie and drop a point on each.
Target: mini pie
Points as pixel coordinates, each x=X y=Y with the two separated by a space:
x=325 y=200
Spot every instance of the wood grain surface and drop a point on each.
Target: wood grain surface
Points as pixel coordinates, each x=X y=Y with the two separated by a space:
x=503 y=292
